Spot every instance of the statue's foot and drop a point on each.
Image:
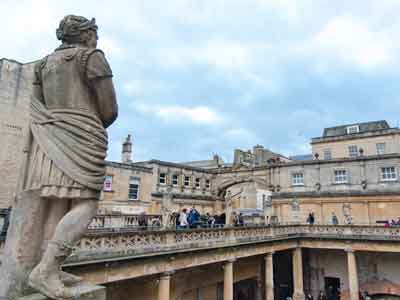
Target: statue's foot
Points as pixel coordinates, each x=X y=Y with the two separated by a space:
x=69 y=279
x=49 y=284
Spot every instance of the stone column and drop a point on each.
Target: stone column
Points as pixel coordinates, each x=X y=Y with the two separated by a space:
x=353 y=276
x=298 y=291
x=228 y=280
x=164 y=286
x=269 y=276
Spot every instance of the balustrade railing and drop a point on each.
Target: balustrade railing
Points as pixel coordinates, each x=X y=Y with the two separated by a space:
x=150 y=241
x=116 y=222
x=100 y=243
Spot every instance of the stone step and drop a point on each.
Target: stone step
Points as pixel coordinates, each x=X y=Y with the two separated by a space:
x=83 y=292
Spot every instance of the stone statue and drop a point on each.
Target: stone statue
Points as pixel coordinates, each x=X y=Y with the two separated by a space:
x=166 y=207
x=346 y=208
x=73 y=103
x=228 y=199
x=295 y=204
x=267 y=201
x=295 y=211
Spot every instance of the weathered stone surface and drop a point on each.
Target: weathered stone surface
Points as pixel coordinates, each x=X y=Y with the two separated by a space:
x=15 y=90
x=83 y=292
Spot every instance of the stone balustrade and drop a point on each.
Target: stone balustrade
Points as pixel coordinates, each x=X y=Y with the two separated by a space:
x=123 y=221
x=125 y=242
x=128 y=242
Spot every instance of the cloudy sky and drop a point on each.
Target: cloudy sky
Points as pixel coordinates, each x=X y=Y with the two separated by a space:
x=197 y=77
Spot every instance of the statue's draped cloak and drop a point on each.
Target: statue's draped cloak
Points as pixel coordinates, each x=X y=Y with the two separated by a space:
x=67 y=154
x=69 y=142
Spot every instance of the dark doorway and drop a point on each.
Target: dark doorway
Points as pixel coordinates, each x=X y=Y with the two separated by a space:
x=283 y=275
x=245 y=289
x=332 y=288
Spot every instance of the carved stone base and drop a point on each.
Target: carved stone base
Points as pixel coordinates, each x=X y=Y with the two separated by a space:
x=83 y=292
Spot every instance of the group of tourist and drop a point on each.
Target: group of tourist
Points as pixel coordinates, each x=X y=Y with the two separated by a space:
x=393 y=223
x=193 y=219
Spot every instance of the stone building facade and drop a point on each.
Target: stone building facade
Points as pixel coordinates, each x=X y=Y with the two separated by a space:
x=15 y=90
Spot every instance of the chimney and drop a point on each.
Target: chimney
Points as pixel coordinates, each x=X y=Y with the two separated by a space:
x=127 y=150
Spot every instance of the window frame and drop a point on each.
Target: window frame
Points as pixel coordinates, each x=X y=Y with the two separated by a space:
x=378 y=151
x=105 y=183
x=173 y=177
x=134 y=181
x=356 y=153
x=197 y=183
x=330 y=154
x=186 y=183
x=350 y=128
x=383 y=173
x=336 y=176
x=295 y=178
x=208 y=184
x=165 y=178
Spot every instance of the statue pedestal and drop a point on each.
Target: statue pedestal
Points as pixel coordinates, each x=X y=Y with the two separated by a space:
x=83 y=292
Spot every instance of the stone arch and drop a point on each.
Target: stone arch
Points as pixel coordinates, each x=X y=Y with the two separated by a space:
x=227 y=183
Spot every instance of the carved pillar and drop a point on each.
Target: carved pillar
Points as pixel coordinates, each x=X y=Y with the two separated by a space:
x=269 y=276
x=164 y=286
x=353 y=276
x=228 y=280
x=298 y=290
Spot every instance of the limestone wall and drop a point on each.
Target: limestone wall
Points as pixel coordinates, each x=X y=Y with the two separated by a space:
x=117 y=199
x=365 y=210
x=340 y=149
x=15 y=91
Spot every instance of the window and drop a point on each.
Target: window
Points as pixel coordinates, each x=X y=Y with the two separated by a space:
x=162 y=178
x=174 y=180
x=297 y=179
x=133 y=193
x=208 y=183
x=197 y=183
x=353 y=151
x=186 y=182
x=108 y=183
x=327 y=154
x=380 y=148
x=353 y=129
x=388 y=174
x=340 y=176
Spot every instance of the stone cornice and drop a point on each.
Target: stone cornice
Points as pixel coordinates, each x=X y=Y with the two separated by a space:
x=286 y=195
x=188 y=196
x=132 y=166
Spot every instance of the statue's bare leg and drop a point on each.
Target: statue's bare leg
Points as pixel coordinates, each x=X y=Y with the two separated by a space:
x=56 y=210
x=46 y=277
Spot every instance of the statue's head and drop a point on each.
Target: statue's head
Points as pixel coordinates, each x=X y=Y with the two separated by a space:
x=78 y=30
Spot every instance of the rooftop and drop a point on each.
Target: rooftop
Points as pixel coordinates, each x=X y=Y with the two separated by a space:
x=359 y=128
